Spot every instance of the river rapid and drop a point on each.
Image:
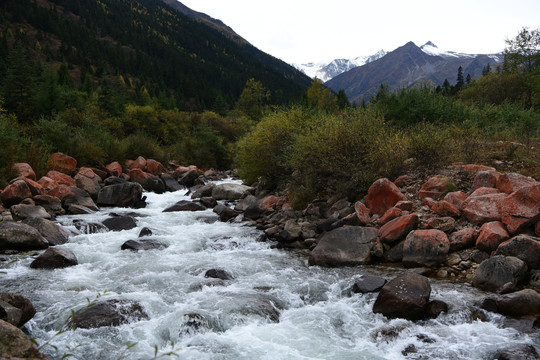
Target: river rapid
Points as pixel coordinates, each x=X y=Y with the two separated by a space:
x=205 y=318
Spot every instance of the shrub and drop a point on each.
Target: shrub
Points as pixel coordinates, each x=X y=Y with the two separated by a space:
x=429 y=144
x=12 y=144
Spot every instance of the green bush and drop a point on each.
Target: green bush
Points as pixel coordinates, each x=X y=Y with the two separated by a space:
x=429 y=144
x=12 y=144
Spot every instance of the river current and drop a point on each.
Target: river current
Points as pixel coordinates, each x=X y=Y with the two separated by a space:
x=201 y=318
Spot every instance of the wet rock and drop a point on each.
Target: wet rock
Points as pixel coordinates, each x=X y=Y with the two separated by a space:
x=185 y=205
x=119 y=223
x=406 y=297
x=89 y=228
x=148 y=181
x=520 y=303
x=368 y=283
x=398 y=228
x=491 y=235
x=382 y=195
x=108 y=313
x=128 y=194
x=347 y=246
x=189 y=178
x=483 y=208
x=218 y=274
x=55 y=258
x=520 y=209
x=436 y=187
x=171 y=184
x=52 y=232
x=23 y=211
x=15 y=345
x=15 y=192
x=78 y=197
x=425 y=248
x=18 y=236
x=145 y=232
x=15 y=309
x=209 y=202
x=147 y=244
x=246 y=202
x=62 y=163
x=193 y=323
x=526 y=248
x=231 y=192
x=463 y=239
x=436 y=307
x=203 y=191
x=519 y=352
x=498 y=270
x=225 y=213
x=395 y=253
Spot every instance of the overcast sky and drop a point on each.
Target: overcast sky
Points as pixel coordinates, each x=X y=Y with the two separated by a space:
x=311 y=30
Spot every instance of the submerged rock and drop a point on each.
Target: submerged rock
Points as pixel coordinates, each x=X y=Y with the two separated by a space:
x=55 y=258
x=147 y=244
x=519 y=352
x=119 y=223
x=108 y=313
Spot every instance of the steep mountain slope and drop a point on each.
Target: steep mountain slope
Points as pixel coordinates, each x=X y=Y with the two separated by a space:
x=407 y=66
x=152 y=44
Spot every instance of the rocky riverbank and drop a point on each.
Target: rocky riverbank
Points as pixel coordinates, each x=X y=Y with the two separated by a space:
x=468 y=223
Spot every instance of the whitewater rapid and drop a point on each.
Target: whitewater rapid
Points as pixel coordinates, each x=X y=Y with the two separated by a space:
x=319 y=317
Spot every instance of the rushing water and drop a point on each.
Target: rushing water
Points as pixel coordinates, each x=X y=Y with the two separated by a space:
x=319 y=318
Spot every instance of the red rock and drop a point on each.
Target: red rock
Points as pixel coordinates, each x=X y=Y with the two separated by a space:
x=114 y=168
x=62 y=163
x=137 y=175
x=100 y=172
x=444 y=208
x=404 y=205
x=483 y=208
x=139 y=163
x=485 y=179
x=398 y=228
x=23 y=170
x=193 y=167
x=88 y=180
x=456 y=198
x=362 y=212
x=446 y=223
x=129 y=164
x=34 y=186
x=272 y=203
x=181 y=170
x=155 y=167
x=390 y=214
x=382 y=195
x=484 y=191
x=521 y=208
x=492 y=234
x=476 y=168
x=436 y=187
x=463 y=239
x=61 y=178
x=401 y=181
x=61 y=191
x=209 y=173
x=87 y=172
x=47 y=184
x=512 y=182
x=15 y=192
x=425 y=248
x=429 y=202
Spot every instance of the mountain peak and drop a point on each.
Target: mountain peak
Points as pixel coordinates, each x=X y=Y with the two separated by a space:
x=430 y=44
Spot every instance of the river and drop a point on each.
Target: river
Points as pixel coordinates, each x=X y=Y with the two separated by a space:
x=319 y=317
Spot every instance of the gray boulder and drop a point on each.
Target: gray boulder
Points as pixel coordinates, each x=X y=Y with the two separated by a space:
x=54 y=258
x=185 y=205
x=18 y=236
x=526 y=248
x=15 y=308
x=108 y=313
x=499 y=270
x=126 y=194
x=146 y=244
x=231 y=192
x=520 y=303
x=25 y=211
x=79 y=197
x=119 y=223
x=519 y=352
x=52 y=232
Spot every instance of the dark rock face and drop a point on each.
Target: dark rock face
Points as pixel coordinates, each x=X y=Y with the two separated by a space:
x=55 y=258
x=425 y=248
x=405 y=297
x=498 y=270
x=526 y=248
x=108 y=313
x=520 y=303
x=14 y=344
x=52 y=232
x=225 y=213
x=127 y=194
x=171 y=184
x=185 y=205
x=79 y=197
x=519 y=352
x=436 y=307
x=119 y=223
x=218 y=274
x=347 y=246
x=368 y=283
x=15 y=308
x=18 y=236
x=189 y=178
x=147 y=244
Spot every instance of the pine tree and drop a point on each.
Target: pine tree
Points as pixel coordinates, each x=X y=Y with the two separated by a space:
x=342 y=100
x=468 y=79
x=459 y=81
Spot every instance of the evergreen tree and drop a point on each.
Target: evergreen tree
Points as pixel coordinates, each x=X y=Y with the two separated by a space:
x=253 y=99
x=468 y=79
x=459 y=81
x=446 y=87
x=342 y=100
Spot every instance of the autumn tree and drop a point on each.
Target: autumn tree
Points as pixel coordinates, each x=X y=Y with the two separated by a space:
x=253 y=99
x=320 y=96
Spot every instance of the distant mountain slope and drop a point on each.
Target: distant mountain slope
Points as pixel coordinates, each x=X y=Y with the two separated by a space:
x=153 y=44
x=407 y=66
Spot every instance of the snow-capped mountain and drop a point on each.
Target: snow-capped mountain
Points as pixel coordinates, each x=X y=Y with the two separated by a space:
x=326 y=72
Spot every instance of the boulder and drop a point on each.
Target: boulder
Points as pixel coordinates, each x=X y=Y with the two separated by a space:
x=146 y=244
x=17 y=309
x=491 y=235
x=446 y=224
x=246 y=202
x=52 y=232
x=15 y=192
x=15 y=345
x=382 y=195
x=340 y=209
x=108 y=313
x=406 y=296
x=405 y=205
x=89 y=228
x=436 y=307
x=444 y=208
x=51 y=204
x=18 y=236
x=87 y=180
x=209 y=202
x=155 y=167
x=520 y=303
x=55 y=258
x=185 y=205
x=526 y=248
x=23 y=211
x=520 y=209
x=498 y=270
x=189 y=178
x=482 y=208
x=395 y=253
x=519 y=352
x=264 y=206
x=114 y=168
x=425 y=248
x=436 y=187
x=47 y=184
x=402 y=180
x=231 y=192
x=119 y=223
x=123 y=195
x=171 y=184
x=62 y=163
x=23 y=170
x=218 y=274
x=225 y=213
x=202 y=190
x=148 y=181
x=456 y=198
x=79 y=197
x=61 y=178
x=463 y=239
x=368 y=283
x=389 y=215
x=486 y=178
x=362 y=212
x=512 y=182
x=346 y=246
x=138 y=163
x=398 y=229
